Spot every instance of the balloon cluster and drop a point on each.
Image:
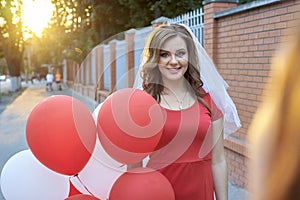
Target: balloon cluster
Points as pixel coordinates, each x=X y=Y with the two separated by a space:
x=74 y=154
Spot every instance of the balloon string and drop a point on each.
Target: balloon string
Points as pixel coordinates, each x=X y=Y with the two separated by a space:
x=84 y=185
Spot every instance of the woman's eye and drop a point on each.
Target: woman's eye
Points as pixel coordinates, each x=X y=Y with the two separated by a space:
x=180 y=53
x=164 y=55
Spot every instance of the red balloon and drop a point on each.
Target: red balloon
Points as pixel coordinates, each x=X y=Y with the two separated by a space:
x=142 y=183
x=73 y=190
x=82 y=197
x=61 y=133
x=130 y=124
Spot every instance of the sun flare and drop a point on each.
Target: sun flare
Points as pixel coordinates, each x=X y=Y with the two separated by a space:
x=36 y=15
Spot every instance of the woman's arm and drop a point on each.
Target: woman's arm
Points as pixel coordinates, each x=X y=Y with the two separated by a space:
x=219 y=164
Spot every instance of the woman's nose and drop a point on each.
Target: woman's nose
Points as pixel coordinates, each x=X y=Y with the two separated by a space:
x=173 y=58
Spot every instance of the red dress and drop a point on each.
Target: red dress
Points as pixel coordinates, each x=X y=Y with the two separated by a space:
x=184 y=152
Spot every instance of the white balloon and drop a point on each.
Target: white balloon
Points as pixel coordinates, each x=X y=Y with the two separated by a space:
x=24 y=177
x=101 y=172
x=96 y=112
x=99 y=175
x=99 y=153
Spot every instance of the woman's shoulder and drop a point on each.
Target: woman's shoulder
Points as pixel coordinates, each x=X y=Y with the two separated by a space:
x=205 y=95
x=216 y=113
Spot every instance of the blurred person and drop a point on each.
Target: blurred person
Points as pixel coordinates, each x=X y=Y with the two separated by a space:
x=274 y=134
x=49 y=81
x=58 y=80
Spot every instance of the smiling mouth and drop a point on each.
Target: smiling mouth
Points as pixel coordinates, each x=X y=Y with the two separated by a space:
x=174 y=70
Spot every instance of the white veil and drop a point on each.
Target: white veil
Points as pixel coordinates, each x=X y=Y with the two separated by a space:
x=213 y=83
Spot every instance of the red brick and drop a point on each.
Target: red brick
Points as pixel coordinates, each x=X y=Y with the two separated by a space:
x=269 y=40
x=274 y=33
x=281 y=25
x=274 y=19
x=269 y=13
x=294 y=8
x=287 y=17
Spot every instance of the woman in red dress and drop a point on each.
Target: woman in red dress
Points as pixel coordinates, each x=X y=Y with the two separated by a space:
x=191 y=152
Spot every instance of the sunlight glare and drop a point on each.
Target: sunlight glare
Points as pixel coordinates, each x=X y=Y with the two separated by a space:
x=36 y=14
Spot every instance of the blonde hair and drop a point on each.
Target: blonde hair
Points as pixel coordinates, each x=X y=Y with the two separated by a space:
x=275 y=131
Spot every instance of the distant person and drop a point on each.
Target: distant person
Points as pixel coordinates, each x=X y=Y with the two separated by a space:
x=58 y=80
x=34 y=78
x=49 y=81
x=274 y=134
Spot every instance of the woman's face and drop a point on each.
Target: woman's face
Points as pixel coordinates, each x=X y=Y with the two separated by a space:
x=173 y=59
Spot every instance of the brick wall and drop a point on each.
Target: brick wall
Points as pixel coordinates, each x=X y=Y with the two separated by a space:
x=242 y=41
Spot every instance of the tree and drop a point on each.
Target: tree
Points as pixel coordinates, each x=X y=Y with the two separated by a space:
x=79 y=25
x=245 y=1
x=95 y=21
x=11 y=35
x=11 y=38
x=108 y=18
x=141 y=12
x=69 y=33
x=3 y=65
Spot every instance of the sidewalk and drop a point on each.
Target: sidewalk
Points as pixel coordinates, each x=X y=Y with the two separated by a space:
x=13 y=123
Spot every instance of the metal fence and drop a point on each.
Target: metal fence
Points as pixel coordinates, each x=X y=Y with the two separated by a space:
x=195 y=20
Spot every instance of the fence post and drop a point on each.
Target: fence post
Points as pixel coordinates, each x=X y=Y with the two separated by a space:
x=80 y=77
x=73 y=65
x=89 y=69
x=76 y=72
x=210 y=24
x=129 y=38
x=99 y=68
x=77 y=77
x=112 y=65
x=69 y=75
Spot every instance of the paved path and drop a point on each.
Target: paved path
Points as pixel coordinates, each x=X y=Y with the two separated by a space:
x=13 y=122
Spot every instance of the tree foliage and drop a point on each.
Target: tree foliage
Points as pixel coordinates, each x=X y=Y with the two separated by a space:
x=68 y=34
x=79 y=25
x=142 y=12
x=11 y=35
x=245 y=1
